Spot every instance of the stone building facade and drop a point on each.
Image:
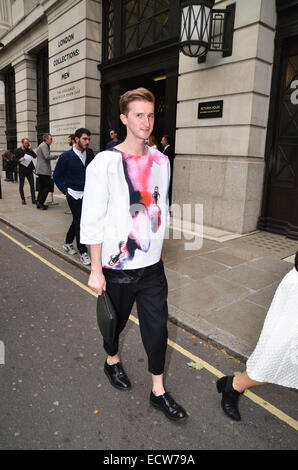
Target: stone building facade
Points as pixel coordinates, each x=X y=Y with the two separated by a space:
x=223 y=159
x=67 y=61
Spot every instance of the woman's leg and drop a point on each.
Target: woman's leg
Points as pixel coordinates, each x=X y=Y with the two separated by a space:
x=242 y=382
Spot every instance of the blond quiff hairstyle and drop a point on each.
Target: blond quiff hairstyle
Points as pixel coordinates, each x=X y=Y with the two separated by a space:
x=140 y=94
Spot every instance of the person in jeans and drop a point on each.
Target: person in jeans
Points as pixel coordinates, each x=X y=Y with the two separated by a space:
x=124 y=216
x=69 y=176
x=168 y=150
x=23 y=155
x=44 y=170
x=14 y=168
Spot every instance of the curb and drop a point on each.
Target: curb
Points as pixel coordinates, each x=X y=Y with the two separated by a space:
x=219 y=338
x=193 y=325
x=43 y=242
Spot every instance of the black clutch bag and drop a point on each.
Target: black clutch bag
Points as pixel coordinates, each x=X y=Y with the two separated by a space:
x=106 y=317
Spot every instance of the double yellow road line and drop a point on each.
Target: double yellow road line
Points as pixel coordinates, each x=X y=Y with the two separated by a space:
x=252 y=396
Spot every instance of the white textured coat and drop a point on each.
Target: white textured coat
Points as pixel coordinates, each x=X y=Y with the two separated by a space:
x=106 y=211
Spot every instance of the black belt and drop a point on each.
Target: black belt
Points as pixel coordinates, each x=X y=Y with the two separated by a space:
x=128 y=276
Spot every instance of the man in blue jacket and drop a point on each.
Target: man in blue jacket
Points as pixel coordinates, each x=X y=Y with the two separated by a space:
x=69 y=176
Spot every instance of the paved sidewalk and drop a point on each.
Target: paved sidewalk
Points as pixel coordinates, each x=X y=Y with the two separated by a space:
x=221 y=291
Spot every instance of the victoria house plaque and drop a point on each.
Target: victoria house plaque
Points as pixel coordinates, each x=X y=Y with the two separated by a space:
x=210 y=109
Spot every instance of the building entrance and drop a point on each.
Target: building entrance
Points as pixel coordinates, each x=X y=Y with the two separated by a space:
x=157 y=85
x=140 y=49
x=164 y=88
x=280 y=203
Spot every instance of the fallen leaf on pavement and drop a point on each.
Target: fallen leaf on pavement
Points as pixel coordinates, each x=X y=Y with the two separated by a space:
x=195 y=365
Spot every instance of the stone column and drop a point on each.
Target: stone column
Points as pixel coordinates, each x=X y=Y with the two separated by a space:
x=5 y=16
x=26 y=97
x=220 y=160
x=74 y=54
x=2 y=122
x=5 y=25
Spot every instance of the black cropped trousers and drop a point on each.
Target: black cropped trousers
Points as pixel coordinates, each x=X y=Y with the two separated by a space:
x=75 y=206
x=147 y=287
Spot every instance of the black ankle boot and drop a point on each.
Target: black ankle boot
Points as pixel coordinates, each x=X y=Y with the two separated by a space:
x=230 y=397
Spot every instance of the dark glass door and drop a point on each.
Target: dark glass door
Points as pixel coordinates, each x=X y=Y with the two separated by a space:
x=10 y=109
x=280 y=205
x=165 y=91
x=140 y=49
x=157 y=87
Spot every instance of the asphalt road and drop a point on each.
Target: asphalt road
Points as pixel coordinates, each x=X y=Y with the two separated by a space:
x=54 y=394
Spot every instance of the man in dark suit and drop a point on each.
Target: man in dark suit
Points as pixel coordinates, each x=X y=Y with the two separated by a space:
x=169 y=152
x=24 y=156
x=69 y=177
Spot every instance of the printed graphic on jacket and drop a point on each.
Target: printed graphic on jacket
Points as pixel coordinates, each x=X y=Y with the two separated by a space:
x=144 y=209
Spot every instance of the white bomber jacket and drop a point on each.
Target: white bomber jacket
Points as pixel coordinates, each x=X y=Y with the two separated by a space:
x=125 y=207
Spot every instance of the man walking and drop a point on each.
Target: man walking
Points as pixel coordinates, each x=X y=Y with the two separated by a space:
x=44 y=170
x=24 y=156
x=124 y=215
x=69 y=176
x=169 y=152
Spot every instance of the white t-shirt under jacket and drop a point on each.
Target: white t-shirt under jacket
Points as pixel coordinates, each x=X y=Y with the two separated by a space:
x=125 y=207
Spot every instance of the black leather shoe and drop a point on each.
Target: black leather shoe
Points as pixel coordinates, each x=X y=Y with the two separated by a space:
x=167 y=404
x=43 y=207
x=117 y=376
x=230 y=397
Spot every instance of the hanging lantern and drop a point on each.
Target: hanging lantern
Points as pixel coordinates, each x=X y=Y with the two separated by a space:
x=204 y=29
x=195 y=27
